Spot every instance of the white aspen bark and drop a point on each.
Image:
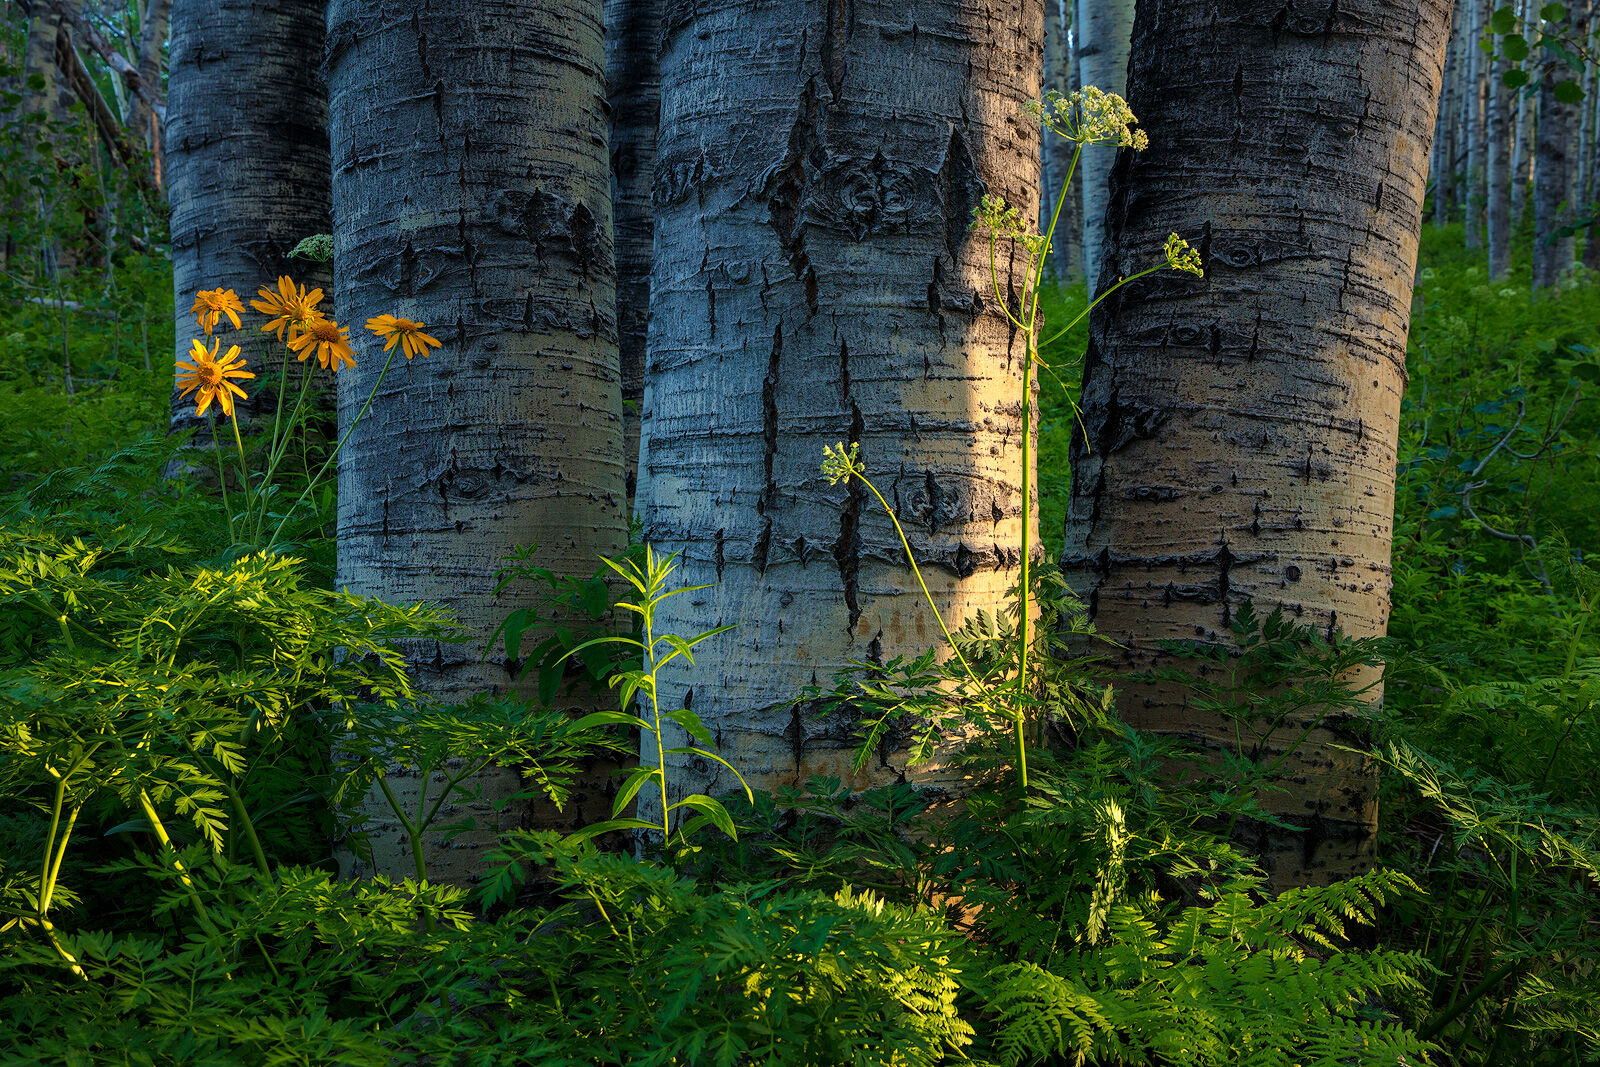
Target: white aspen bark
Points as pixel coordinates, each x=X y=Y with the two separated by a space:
x=246 y=166
x=1526 y=110
x=1497 y=198
x=1476 y=14
x=633 y=92
x=1441 y=166
x=1552 y=183
x=816 y=282
x=143 y=104
x=1105 y=29
x=1056 y=152
x=1239 y=432
x=471 y=192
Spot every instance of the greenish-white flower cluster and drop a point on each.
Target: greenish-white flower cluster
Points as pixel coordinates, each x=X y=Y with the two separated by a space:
x=838 y=464
x=1089 y=116
x=1180 y=256
x=1003 y=220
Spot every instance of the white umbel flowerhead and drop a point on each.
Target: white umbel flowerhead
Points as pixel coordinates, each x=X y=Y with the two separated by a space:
x=1089 y=116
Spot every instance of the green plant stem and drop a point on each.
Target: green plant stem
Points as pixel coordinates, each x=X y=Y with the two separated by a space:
x=222 y=475
x=160 y=830
x=655 y=713
x=244 y=468
x=312 y=483
x=1429 y=1030
x=916 y=570
x=249 y=827
x=281 y=438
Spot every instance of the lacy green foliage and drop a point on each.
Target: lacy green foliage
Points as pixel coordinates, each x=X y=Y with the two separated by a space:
x=1234 y=982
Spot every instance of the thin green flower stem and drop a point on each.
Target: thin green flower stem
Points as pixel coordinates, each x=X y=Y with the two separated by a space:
x=280 y=444
x=47 y=874
x=222 y=475
x=311 y=484
x=405 y=823
x=1096 y=303
x=283 y=383
x=160 y=829
x=244 y=466
x=449 y=787
x=916 y=570
x=249 y=827
x=655 y=712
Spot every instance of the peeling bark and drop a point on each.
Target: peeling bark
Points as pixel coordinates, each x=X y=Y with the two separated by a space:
x=1241 y=429
x=246 y=164
x=471 y=192
x=815 y=282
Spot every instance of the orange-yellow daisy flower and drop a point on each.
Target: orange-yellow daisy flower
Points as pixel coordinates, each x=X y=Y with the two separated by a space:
x=326 y=338
x=211 y=376
x=211 y=304
x=295 y=308
x=407 y=334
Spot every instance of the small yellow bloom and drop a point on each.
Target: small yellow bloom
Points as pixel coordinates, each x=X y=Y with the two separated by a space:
x=408 y=334
x=295 y=308
x=211 y=376
x=211 y=304
x=1181 y=257
x=327 y=339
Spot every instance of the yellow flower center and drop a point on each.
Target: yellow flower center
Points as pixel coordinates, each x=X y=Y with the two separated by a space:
x=325 y=330
x=209 y=374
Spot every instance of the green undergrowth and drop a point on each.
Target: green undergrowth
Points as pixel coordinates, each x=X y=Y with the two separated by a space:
x=186 y=731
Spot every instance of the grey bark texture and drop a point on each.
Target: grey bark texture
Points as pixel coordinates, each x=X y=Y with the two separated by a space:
x=1441 y=165
x=1552 y=180
x=1104 y=34
x=1497 y=197
x=633 y=90
x=1241 y=429
x=816 y=282
x=471 y=192
x=1526 y=112
x=1475 y=16
x=246 y=165
x=146 y=98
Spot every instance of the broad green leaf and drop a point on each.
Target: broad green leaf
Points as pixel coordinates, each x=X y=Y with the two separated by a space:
x=1514 y=79
x=1504 y=20
x=691 y=722
x=1553 y=12
x=1569 y=92
x=596 y=598
x=636 y=780
x=596 y=829
x=609 y=718
x=1516 y=50
x=712 y=810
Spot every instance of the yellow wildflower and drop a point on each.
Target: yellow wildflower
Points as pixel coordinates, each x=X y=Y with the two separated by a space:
x=211 y=304
x=408 y=334
x=1181 y=257
x=1089 y=116
x=327 y=339
x=295 y=308
x=211 y=376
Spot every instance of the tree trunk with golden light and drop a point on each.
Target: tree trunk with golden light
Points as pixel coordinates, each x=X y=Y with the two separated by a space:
x=1241 y=429
x=816 y=282
x=471 y=192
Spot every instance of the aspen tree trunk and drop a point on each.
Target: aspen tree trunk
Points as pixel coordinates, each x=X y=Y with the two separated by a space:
x=1241 y=429
x=142 y=119
x=246 y=166
x=633 y=90
x=1056 y=152
x=1441 y=166
x=1105 y=29
x=1526 y=112
x=1552 y=182
x=471 y=192
x=1476 y=17
x=816 y=282
x=1498 y=195
x=53 y=99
